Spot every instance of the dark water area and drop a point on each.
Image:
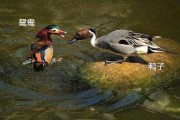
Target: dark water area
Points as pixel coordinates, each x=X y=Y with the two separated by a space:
x=59 y=92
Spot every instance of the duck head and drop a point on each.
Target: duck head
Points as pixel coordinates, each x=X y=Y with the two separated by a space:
x=44 y=34
x=82 y=34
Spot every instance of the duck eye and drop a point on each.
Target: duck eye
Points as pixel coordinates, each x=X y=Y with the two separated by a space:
x=54 y=30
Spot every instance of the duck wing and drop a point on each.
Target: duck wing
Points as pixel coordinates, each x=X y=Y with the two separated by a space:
x=142 y=36
x=126 y=42
x=136 y=42
x=129 y=36
x=122 y=49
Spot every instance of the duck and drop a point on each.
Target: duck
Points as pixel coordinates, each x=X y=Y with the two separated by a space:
x=124 y=42
x=41 y=51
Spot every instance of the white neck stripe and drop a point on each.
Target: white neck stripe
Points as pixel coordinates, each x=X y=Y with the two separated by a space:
x=93 y=39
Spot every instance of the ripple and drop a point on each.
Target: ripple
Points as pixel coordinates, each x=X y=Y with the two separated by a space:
x=82 y=103
x=32 y=95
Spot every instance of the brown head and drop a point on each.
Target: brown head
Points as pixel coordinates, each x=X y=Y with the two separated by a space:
x=82 y=34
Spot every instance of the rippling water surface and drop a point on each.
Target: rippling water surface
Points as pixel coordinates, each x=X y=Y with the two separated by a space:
x=60 y=92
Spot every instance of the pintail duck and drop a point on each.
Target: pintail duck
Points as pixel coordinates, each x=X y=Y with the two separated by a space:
x=41 y=52
x=123 y=42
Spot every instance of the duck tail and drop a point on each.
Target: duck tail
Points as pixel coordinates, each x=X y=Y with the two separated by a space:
x=171 y=52
x=156 y=50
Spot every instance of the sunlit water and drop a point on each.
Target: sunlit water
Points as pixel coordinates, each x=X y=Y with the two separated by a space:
x=26 y=94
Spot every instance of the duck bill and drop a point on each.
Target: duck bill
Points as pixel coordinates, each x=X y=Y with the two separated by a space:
x=72 y=41
x=61 y=33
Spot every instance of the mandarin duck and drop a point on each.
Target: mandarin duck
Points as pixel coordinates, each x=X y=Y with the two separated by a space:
x=41 y=51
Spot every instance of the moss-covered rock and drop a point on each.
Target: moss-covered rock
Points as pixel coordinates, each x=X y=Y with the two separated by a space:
x=132 y=75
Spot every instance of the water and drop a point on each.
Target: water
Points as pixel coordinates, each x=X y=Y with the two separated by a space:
x=26 y=94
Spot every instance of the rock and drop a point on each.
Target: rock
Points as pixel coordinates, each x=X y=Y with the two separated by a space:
x=135 y=73
x=160 y=102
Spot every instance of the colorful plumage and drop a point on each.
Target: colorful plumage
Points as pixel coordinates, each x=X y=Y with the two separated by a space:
x=41 y=51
